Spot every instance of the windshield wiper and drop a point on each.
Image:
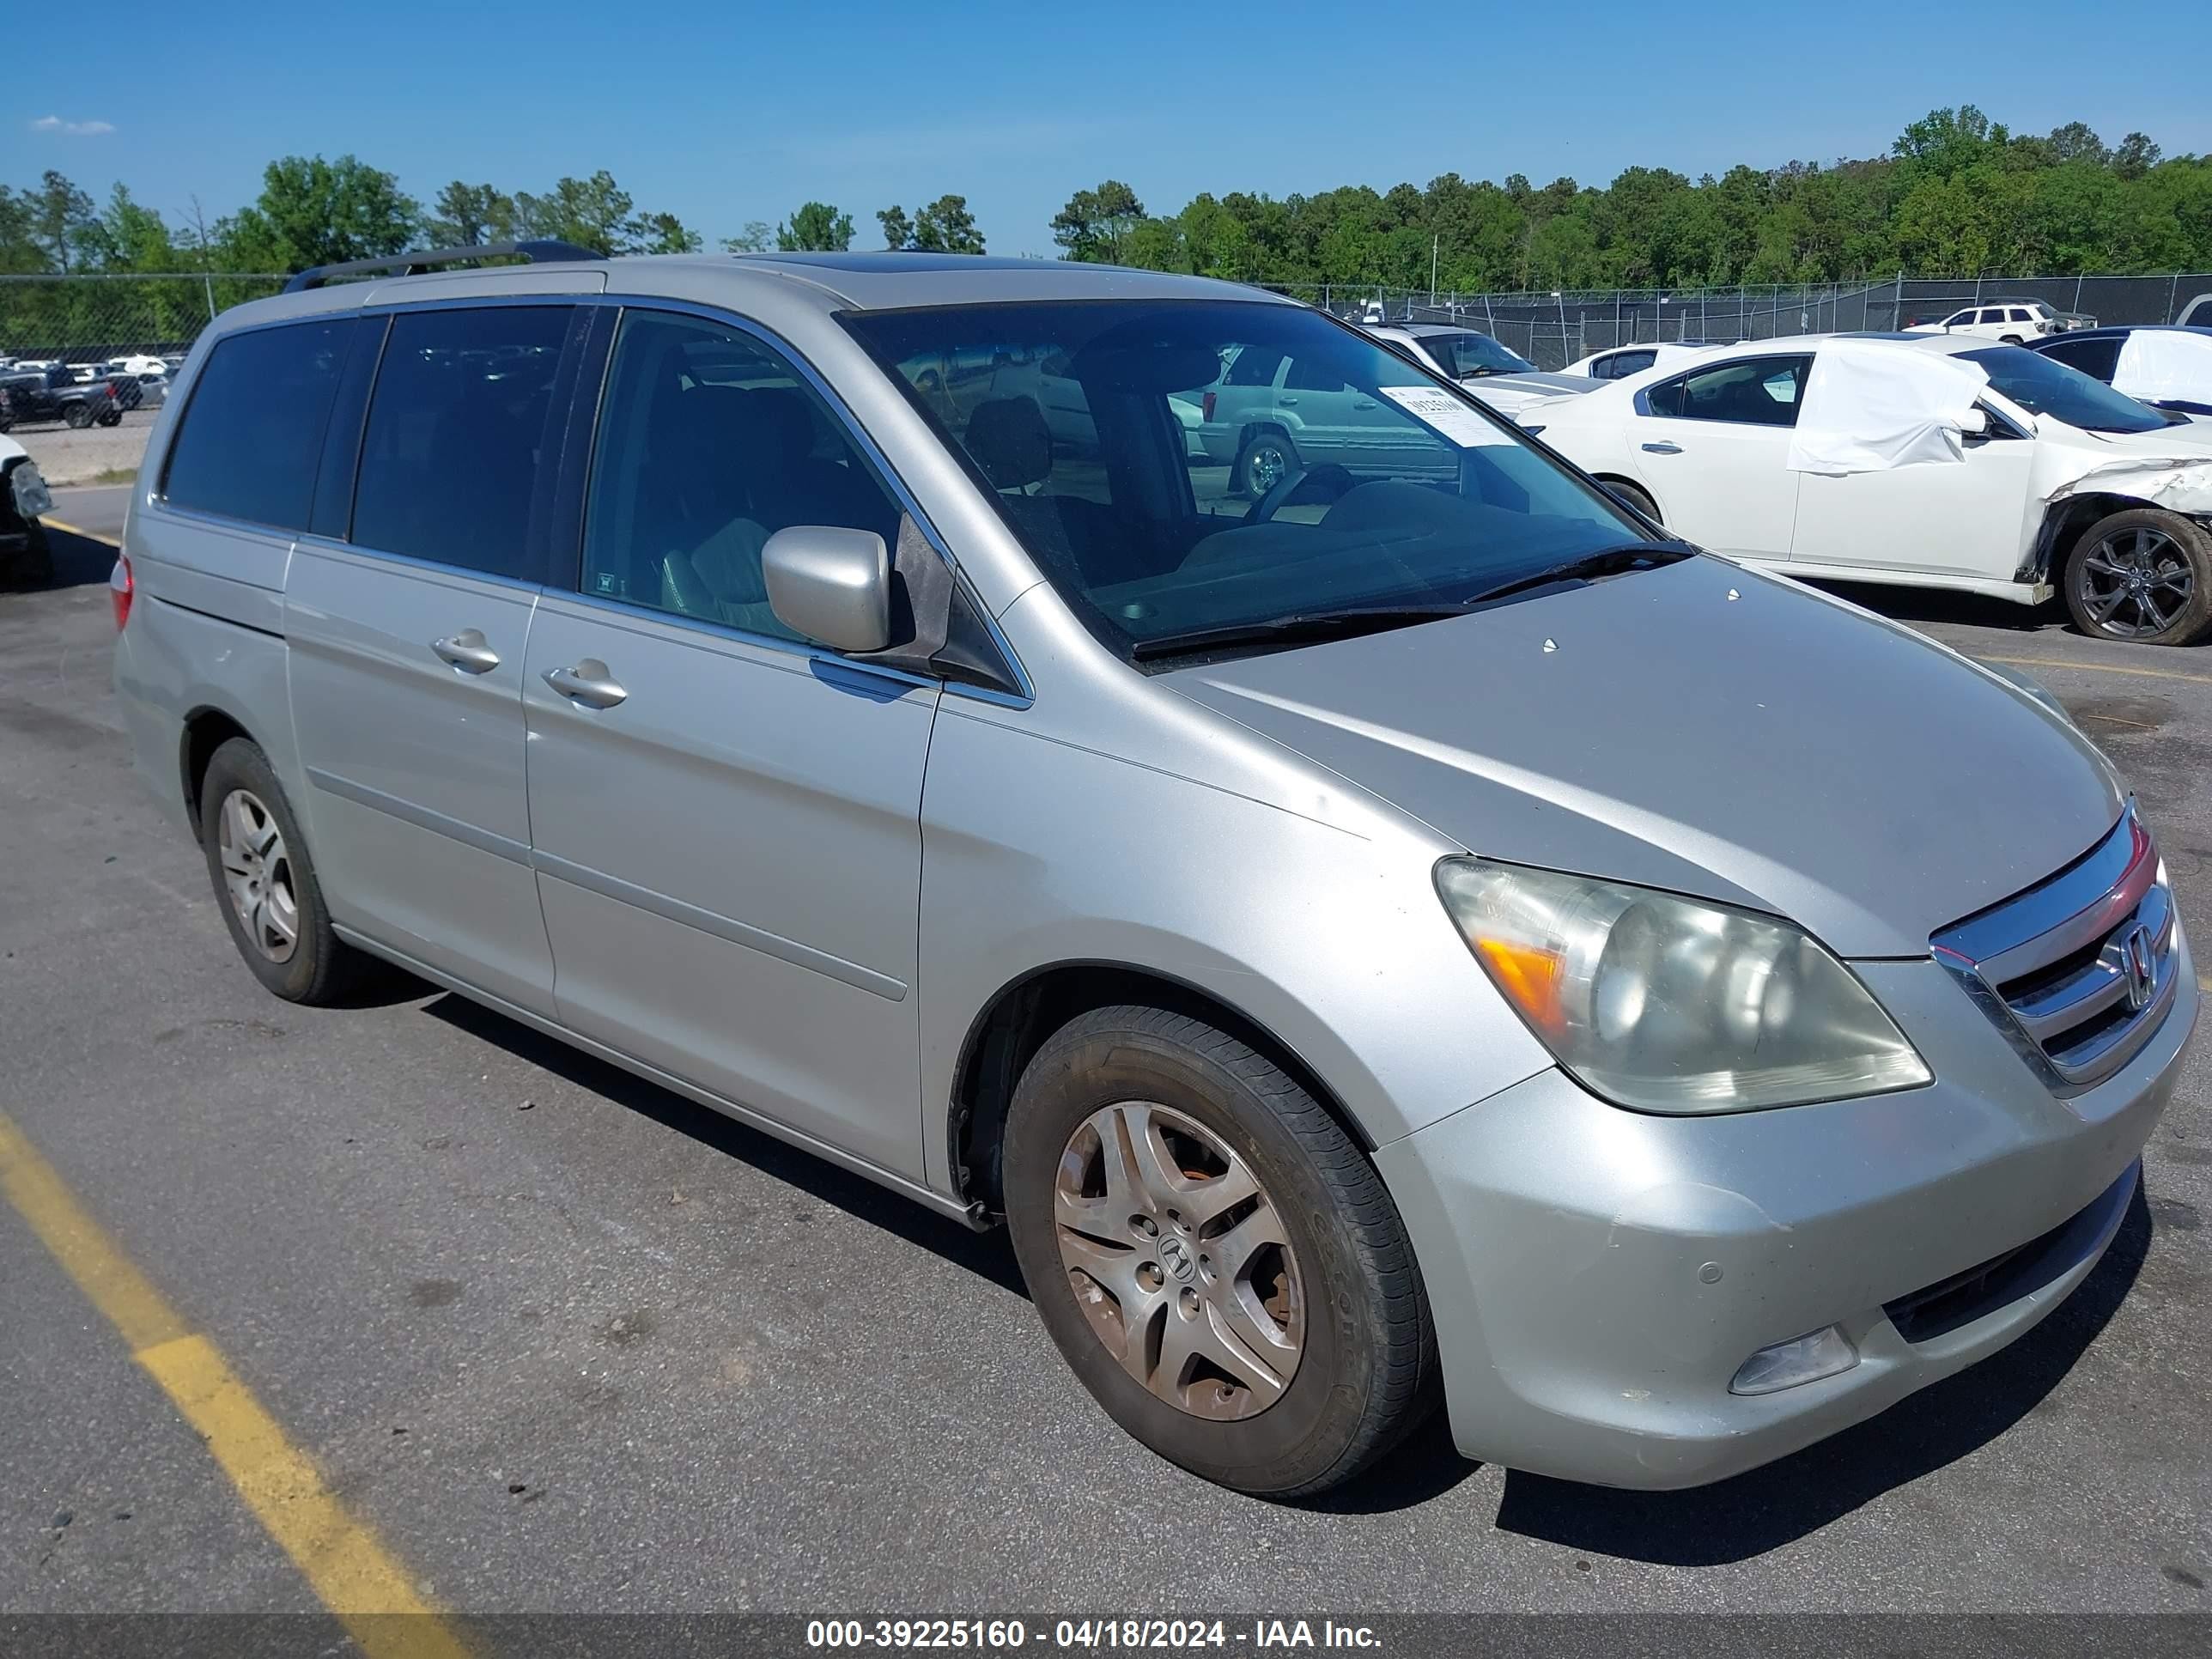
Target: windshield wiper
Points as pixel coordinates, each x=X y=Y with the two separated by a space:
x=1605 y=562
x=1299 y=626
x=1307 y=625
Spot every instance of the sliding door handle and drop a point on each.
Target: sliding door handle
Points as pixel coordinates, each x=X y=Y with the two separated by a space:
x=587 y=682
x=467 y=651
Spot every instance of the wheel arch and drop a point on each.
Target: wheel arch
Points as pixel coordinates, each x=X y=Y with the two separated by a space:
x=1638 y=486
x=2066 y=519
x=1014 y=1024
x=207 y=727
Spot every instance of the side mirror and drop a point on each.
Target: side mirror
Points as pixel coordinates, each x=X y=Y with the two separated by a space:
x=831 y=586
x=1975 y=422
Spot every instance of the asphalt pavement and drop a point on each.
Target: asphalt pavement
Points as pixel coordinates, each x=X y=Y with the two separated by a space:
x=563 y=1341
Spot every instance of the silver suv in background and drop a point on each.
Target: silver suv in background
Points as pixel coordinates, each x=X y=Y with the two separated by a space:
x=1358 y=935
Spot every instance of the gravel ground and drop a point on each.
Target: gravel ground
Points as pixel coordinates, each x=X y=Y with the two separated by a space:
x=66 y=458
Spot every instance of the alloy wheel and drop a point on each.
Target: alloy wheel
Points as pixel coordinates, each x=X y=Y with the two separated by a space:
x=1265 y=467
x=1179 y=1260
x=257 y=872
x=2137 y=581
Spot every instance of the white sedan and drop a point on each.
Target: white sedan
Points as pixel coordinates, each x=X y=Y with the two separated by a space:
x=1929 y=461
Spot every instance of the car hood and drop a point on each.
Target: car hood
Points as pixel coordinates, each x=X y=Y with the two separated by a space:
x=1702 y=729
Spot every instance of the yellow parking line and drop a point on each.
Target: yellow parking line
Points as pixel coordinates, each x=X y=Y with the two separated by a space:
x=348 y=1568
x=52 y=522
x=2090 y=667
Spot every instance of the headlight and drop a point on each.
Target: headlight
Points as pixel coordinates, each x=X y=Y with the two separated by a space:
x=32 y=496
x=1668 y=1005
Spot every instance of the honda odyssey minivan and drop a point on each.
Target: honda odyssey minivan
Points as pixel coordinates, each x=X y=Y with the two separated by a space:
x=1408 y=934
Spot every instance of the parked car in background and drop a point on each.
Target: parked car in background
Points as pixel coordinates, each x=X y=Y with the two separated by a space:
x=2160 y=364
x=25 y=558
x=1273 y=419
x=56 y=394
x=2013 y=475
x=1430 y=937
x=1499 y=376
x=2197 y=313
x=1618 y=362
x=153 y=390
x=2015 y=322
x=137 y=365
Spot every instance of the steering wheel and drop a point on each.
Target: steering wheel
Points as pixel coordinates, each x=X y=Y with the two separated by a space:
x=1331 y=476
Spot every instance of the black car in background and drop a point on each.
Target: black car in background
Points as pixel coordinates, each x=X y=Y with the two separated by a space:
x=55 y=394
x=2096 y=353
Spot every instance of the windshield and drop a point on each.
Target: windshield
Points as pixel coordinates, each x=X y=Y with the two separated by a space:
x=1463 y=352
x=1325 y=470
x=2044 y=386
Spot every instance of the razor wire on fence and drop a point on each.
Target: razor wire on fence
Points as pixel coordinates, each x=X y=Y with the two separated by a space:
x=76 y=320
x=1553 y=329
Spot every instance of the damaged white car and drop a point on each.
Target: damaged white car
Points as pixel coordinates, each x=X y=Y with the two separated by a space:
x=1929 y=461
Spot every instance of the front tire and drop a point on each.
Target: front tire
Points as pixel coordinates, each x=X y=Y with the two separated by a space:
x=265 y=883
x=2142 y=575
x=36 y=567
x=1215 y=1258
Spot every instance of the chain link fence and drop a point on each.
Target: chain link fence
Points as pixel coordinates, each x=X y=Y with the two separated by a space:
x=1553 y=329
x=77 y=319
x=89 y=319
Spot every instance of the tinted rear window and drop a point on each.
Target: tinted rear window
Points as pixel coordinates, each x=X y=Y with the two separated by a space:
x=253 y=430
x=449 y=458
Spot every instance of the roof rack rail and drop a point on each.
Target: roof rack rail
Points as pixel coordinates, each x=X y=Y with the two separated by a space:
x=414 y=264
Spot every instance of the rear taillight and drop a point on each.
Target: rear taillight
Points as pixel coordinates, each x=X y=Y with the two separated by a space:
x=1208 y=405
x=120 y=589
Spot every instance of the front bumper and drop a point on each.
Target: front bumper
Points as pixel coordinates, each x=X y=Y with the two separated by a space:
x=1597 y=1275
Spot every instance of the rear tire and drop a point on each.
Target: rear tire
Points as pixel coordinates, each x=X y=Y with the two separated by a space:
x=2008 y=339
x=1635 y=497
x=2144 y=576
x=264 y=882
x=1259 y=1208
x=77 y=417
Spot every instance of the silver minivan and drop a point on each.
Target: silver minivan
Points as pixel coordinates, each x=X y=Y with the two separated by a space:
x=1408 y=934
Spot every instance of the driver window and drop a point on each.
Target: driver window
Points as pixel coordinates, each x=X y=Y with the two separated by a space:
x=709 y=443
x=1305 y=377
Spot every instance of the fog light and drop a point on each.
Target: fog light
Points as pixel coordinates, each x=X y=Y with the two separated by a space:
x=1805 y=1358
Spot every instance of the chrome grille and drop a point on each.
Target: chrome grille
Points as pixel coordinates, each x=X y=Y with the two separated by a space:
x=2079 y=969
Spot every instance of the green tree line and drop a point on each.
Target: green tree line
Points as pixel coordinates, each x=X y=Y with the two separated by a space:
x=1957 y=195
x=314 y=211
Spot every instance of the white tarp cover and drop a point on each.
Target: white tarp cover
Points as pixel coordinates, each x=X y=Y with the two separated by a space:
x=2166 y=363
x=1871 y=406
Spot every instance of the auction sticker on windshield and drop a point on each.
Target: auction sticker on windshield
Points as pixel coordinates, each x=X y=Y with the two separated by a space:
x=1435 y=407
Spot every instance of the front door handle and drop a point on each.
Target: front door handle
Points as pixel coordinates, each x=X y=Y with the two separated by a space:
x=467 y=651
x=1288 y=403
x=587 y=682
x=1364 y=403
x=1663 y=448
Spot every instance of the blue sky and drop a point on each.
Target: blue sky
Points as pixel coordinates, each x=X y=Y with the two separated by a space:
x=723 y=113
